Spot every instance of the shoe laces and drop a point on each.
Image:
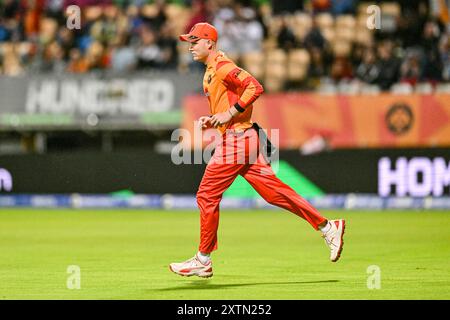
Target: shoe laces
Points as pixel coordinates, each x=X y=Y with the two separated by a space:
x=192 y=262
x=328 y=241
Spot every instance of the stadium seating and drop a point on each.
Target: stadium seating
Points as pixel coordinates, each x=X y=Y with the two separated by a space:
x=298 y=62
x=275 y=70
x=443 y=88
x=325 y=20
x=276 y=64
x=253 y=62
x=390 y=9
x=302 y=24
x=402 y=88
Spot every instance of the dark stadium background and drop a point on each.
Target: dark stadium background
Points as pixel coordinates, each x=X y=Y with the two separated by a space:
x=92 y=110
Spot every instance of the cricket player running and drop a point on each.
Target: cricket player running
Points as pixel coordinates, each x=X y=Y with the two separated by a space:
x=231 y=92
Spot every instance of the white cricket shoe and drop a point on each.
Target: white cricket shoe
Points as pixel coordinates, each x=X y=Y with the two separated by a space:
x=192 y=267
x=334 y=238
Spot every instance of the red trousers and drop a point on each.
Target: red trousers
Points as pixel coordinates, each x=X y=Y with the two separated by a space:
x=236 y=154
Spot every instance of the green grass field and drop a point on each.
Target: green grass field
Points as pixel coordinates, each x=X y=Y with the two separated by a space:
x=124 y=254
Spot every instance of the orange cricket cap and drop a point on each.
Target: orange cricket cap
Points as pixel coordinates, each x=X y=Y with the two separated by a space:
x=200 y=30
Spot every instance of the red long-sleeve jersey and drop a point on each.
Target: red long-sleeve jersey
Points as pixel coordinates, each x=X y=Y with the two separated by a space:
x=227 y=85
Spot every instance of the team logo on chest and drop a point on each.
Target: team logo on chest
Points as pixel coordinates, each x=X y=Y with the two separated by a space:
x=210 y=78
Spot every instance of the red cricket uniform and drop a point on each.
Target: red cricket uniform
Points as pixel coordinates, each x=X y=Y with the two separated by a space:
x=227 y=85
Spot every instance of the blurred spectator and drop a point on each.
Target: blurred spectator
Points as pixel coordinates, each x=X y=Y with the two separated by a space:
x=286 y=6
x=149 y=54
x=11 y=63
x=317 y=68
x=314 y=38
x=48 y=31
x=168 y=45
x=444 y=50
x=54 y=58
x=32 y=16
x=368 y=70
x=343 y=7
x=66 y=39
x=135 y=21
x=105 y=29
x=10 y=18
x=440 y=9
x=25 y=52
x=411 y=4
x=388 y=66
x=5 y=33
x=410 y=70
x=286 y=38
x=225 y=22
x=55 y=9
x=357 y=54
x=432 y=70
x=252 y=32
x=123 y=56
x=410 y=24
x=341 y=69
x=10 y=9
x=156 y=20
x=96 y=58
x=77 y=63
x=430 y=37
x=240 y=31
x=321 y=5
x=199 y=14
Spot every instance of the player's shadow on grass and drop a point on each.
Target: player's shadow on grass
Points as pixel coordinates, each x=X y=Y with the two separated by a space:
x=207 y=285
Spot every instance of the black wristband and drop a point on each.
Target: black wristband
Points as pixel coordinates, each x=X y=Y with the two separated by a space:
x=238 y=107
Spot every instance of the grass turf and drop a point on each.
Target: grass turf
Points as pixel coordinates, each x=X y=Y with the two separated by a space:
x=262 y=255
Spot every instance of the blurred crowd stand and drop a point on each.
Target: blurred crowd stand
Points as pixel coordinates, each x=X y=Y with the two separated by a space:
x=289 y=45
